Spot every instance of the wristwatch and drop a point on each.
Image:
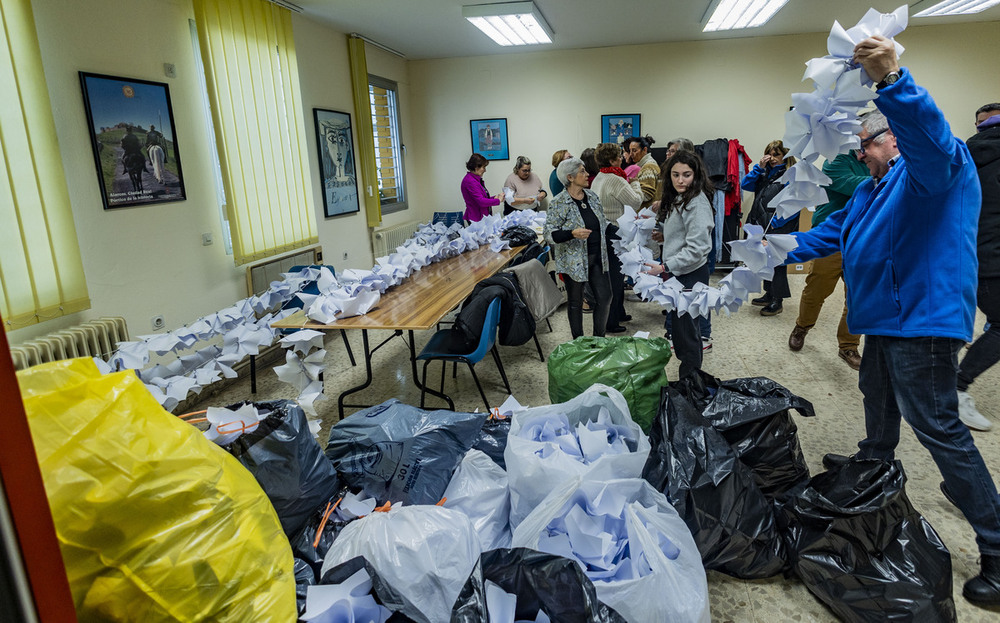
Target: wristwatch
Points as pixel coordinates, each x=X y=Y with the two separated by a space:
x=890 y=78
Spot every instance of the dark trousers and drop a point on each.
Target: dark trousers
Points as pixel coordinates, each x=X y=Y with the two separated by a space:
x=985 y=351
x=686 y=331
x=600 y=285
x=913 y=379
x=730 y=231
x=777 y=288
x=616 y=315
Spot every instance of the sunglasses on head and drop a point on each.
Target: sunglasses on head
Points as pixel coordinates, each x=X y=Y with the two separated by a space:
x=866 y=141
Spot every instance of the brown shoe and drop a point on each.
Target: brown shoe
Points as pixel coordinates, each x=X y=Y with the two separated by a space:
x=852 y=358
x=798 y=338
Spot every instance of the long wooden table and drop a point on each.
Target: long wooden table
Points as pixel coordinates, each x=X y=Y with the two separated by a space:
x=419 y=303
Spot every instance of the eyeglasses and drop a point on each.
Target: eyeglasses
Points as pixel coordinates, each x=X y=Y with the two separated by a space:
x=865 y=141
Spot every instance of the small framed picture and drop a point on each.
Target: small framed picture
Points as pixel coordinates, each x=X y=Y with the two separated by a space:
x=617 y=128
x=337 y=173
x=489 y=138
x=131 y=127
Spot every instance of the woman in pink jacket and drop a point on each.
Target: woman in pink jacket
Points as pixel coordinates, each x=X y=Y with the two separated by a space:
x=477 y=200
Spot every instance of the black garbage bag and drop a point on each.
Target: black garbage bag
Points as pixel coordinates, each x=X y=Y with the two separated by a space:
x=287 y=462
x=305 y=546
x=753 y=416
x=383 y=593
x=864 y=551
x=519 y=235
x=304 y=578
x=492 y=439
x=552 y=584
x=394 y=452
x=732 y=522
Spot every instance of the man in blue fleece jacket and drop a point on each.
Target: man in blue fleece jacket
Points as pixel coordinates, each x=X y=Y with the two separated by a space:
x=908 y=239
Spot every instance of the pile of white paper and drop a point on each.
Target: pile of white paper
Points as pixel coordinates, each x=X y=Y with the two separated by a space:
x=348 y=602
x=501 y=606
x=586 y=443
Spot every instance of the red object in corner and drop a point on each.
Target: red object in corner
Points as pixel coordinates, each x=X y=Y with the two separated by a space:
x=29 y=507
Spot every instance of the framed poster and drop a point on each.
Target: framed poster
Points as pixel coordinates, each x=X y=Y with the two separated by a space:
x=617 y=128
x=337 y=173
x=489 y=138
x=131 y=128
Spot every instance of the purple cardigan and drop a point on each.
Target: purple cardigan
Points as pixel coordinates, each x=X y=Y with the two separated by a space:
x=477 y=201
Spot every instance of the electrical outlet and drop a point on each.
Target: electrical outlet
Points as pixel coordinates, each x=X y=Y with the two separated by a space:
x=345 y=255
x=158 y=322
x=207 y=240
x=169 y=70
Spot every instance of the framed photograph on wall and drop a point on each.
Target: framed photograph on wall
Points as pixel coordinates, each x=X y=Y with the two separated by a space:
x=337 y=171
x=132 y=131
x=617 y=128
x=489 y=138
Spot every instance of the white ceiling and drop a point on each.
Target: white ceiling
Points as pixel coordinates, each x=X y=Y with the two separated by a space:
x=421 y=29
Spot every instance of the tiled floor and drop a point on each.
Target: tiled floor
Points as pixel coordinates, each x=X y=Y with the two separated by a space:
x=745 y=344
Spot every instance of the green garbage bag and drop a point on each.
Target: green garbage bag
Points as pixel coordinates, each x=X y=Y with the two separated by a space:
x=633 y=366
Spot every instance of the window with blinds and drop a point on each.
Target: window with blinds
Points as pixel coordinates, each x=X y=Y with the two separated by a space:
x=388 y=153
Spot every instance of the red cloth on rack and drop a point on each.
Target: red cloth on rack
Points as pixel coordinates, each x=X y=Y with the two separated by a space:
x=734 y=197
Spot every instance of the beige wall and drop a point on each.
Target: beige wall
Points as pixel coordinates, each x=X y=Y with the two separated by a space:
x=145 y=261
x=733 y=88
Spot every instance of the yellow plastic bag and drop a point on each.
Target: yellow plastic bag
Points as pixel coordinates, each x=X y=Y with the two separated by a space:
x=155 y=522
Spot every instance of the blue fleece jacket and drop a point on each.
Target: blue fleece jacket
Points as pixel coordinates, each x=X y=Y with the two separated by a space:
x=909 y=242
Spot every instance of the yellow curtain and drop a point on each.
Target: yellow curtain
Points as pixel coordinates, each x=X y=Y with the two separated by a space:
x=41 y=271
x=366 y=141
x=253 y=87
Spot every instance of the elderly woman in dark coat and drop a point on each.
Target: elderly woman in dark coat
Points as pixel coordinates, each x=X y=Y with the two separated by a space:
x=575 y=226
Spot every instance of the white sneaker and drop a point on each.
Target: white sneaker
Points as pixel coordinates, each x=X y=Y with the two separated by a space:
x=706 y=344
x=969 y=415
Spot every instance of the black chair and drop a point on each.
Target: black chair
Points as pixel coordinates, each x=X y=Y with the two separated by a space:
x=440 y=348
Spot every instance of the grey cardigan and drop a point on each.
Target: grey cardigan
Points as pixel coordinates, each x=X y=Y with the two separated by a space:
x=687 y=236
x=571 y=256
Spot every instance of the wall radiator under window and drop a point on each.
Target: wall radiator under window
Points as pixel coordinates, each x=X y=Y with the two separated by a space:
x=386 y=239
x=94 y=338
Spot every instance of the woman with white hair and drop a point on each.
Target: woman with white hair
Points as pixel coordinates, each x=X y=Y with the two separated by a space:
x=575 y=226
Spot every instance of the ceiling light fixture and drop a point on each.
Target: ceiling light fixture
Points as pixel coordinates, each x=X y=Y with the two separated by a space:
x=510 y=23
x=736 y=14
x=957 y=7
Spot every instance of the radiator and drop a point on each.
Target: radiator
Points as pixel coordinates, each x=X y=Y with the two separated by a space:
x=386 y=239
x=94 y=338
x=261 y=274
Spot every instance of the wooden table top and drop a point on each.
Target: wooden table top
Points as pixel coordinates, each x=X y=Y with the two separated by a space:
x=423 y=298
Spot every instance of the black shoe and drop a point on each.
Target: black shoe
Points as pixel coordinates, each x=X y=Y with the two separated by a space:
x=627 y=318
x=833 y=461
x=984 y=589
x=772 y=309
x=761 y=301
x=663 y=311
x=947 y=494
x=617 y=329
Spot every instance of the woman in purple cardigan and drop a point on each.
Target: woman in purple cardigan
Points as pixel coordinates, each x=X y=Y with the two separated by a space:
x=477 y=201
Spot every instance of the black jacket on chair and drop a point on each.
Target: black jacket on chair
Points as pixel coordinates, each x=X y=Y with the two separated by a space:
x=516 y=323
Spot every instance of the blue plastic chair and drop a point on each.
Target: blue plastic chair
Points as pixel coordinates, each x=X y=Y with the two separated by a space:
x=439 y=348
x=448 y=218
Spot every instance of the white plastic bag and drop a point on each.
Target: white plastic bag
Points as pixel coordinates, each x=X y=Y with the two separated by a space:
x=674 y=587
x=531 y=476
x=479 y=491
x=425 y=553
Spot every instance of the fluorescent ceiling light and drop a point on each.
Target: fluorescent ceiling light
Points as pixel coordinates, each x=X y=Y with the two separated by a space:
x=736 y=14
x=510 y=23
x=957 y=7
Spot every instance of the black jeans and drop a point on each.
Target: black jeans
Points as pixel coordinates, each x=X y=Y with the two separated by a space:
x=601 y=287
x=777 y=288
x=686 y=331
x=985 y=351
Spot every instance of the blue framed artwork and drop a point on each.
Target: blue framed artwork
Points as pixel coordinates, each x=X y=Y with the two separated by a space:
x=131 y=127
x=617 y=128
x=337 y=173
x=489 y=138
